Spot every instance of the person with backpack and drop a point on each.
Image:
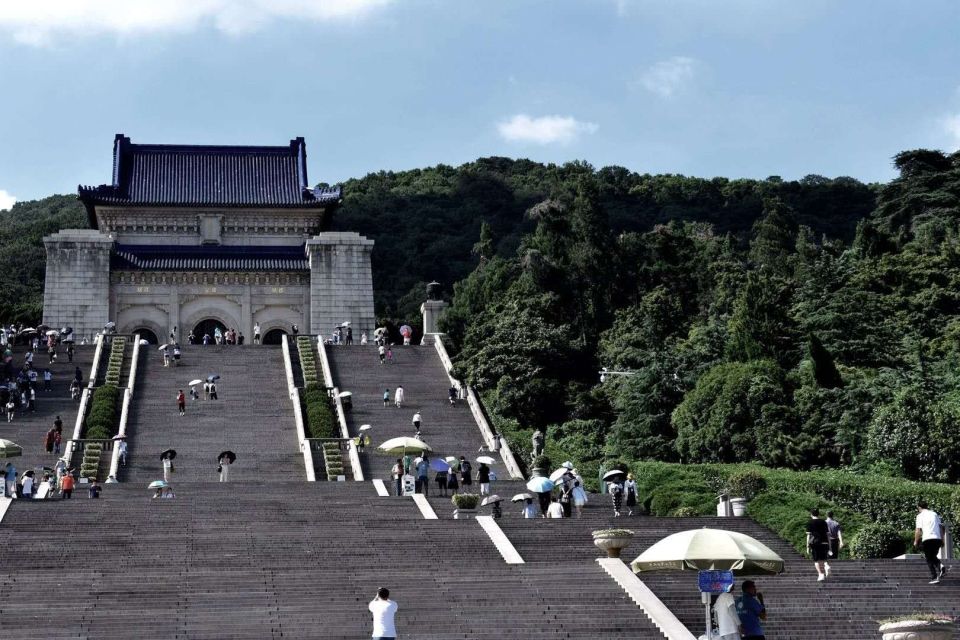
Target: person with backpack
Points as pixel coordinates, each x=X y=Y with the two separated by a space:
x=466 y=471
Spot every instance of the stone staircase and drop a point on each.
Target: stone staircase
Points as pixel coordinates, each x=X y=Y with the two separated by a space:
x=449 y=430
x=252 y=417
x=299 y=560
x=845 y=607
x=29 y=428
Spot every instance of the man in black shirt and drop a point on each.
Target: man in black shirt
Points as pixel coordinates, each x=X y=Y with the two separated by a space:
x=818 y=544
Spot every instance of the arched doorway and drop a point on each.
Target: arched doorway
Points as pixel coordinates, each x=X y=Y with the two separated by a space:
x=274 y=336
x=208 y=326
x=148 y=335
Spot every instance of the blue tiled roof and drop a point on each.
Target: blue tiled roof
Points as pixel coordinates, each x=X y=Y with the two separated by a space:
x=209 y=176
x=135 y=257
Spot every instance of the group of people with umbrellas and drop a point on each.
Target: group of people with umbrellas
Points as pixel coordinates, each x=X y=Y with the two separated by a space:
x=163 y=488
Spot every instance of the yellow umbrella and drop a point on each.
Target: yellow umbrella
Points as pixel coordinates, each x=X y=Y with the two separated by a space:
x=399 y=446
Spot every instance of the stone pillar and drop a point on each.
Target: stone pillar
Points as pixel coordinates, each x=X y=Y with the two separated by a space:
x=431 y=310
x=341 y=283
x=76 y=290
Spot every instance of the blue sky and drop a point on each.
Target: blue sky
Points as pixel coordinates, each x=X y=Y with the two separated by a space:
x=740 y=88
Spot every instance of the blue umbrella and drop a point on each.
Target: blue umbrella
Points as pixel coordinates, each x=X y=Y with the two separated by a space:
x=540 y=484
x=439 y=465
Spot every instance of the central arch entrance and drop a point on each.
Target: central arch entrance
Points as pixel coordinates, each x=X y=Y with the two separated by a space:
x=274 y=336
x=208 y=326
x=148 y=335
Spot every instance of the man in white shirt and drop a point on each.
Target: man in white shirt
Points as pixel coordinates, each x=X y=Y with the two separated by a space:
x=728 y=620
x=555 y=510
x=383 y=609
x=929 y=536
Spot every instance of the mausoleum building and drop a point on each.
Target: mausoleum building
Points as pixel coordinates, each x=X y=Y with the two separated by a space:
x=192 y=237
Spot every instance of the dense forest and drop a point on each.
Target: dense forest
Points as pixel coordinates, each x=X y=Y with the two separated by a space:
x=800 y=324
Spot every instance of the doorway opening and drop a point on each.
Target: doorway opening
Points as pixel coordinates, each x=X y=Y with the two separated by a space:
x=148 y=335
x=274 y=336
x=208 y=327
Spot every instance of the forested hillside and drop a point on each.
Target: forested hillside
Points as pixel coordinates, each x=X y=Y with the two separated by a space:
x=787 y=347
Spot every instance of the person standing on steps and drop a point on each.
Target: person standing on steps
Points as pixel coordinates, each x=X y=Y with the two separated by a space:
x=441 y=479
x=751 y=610
x=349 y=336
x=453 y=484
x=416 y=422
x=483 y=478
x=555 y=510
x=213 y=390
x=386 y=397
x=181 y=403
x=836 y=536
x=123 y=452
x=384 y=611
x=423 y=474
x=728 y=620
x=579 y=498
x=397 y=470
x=66 y=485
x=223 y=467
x=529 y=511
x=466 y=473
x=928 y=535
x=818 y=544
x=167 y=468
x=630 y=487
x=390 y=354
x=616 y=492
x=382 y=352
x=452 y=395
x=398 y=397
x=256 y=333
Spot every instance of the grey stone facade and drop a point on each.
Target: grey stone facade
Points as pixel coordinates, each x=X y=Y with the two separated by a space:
x=340 y=282
x=76 y=291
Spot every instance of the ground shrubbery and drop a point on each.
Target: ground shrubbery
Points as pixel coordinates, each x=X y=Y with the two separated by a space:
x=115 y=361
x=308 y=362
x=321 y=422
x=875 y=540
x=101 y=420
x=783 y=506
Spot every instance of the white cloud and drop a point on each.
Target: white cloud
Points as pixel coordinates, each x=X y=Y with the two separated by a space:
x=38 y=23
x=544 y=130
x=668 y=77
x=951 y=124
x=6 y=200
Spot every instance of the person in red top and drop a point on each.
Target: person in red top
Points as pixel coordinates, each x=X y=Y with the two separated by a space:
x=66 y=485
x=182 y=403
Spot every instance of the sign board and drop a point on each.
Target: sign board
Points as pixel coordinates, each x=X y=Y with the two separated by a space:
x=715 y=581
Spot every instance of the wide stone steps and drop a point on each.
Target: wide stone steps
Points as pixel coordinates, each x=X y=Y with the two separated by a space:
x=28 y=429
x=253 y=417
x=302 y=560
x=449 y=430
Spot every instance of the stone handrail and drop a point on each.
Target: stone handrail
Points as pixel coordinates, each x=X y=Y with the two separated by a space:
x=640 y=593
x=297 y=411
x=125 y=410
x=341 y=416
x=84 y=400
x=506 y=454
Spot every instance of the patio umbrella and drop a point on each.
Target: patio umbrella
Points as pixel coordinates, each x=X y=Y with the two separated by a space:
x=520 y=497
x=230 y=455
x=406 y=331
x=490 y=500
x=486 y=460
x=365 y=427
x=540 y=484
x=163 y=347
x=380 y=331
x=399 y=446
x=559 y=473
x=213 y=377
x=451 y=460
x=169 y=453
x=157 y=484
x=27 y=330
x=195 y=381
x=10 y=449
x=710 y=550
x=610 y=475
x=439 y=465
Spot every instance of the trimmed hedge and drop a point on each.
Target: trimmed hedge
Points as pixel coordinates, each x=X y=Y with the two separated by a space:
x=101 y=420
x=319 y=413
x=877 y=541
x=308 y=361
x=115 y=360
x=857 y=500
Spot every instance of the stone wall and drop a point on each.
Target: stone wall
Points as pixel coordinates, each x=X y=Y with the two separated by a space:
x=77 y=287
x=341 y=283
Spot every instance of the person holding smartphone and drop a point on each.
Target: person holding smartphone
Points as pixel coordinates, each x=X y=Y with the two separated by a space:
x=383 y=609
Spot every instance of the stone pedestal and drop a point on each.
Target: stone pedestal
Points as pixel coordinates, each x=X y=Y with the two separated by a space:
x=77 y=287
x=341 y=283
x=431 y=310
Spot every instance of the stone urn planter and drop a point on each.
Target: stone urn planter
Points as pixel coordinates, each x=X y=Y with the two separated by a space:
x=464 y=514
x=613 y=541
x=918 y=630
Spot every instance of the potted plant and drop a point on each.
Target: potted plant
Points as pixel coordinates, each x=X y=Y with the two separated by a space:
x=466 y=505
x=742 y=487
x=613 y=541
x=541 y=465
x=919 y=626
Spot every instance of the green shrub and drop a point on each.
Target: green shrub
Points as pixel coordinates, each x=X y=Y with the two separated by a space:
x=685 y=512
x=746 y=484
x=465 y=500
x=877 y=541
x=101 y=419
x=665 y=499
x=787 y=515
x=543 y=463
x=321 y=422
